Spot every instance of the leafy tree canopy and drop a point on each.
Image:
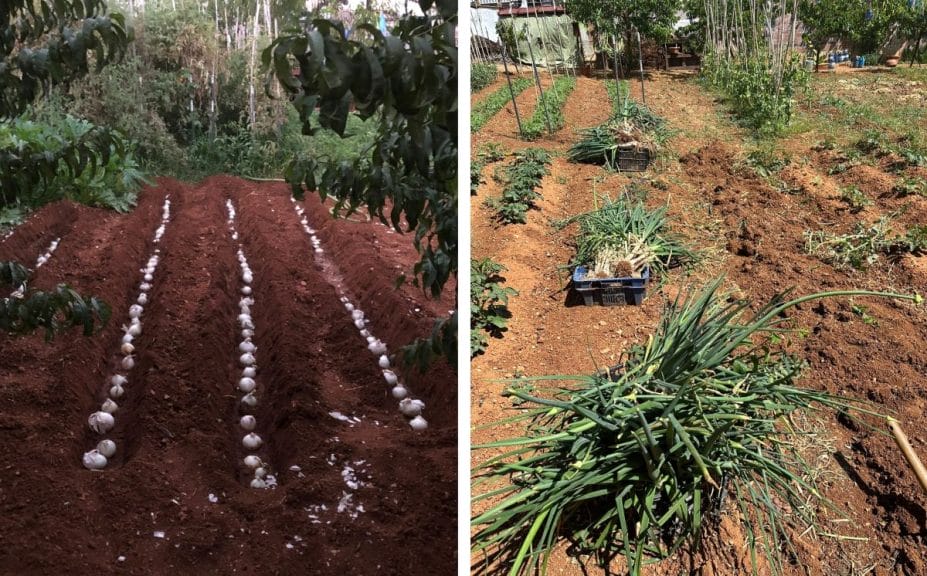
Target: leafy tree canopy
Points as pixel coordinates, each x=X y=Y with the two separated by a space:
x=653 y=18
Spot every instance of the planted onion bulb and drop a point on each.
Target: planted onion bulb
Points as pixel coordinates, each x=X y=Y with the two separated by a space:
x=246 y=384
x=135 y=311
x=249 y=400
x=247 y=346
x=93 y=460
x=246 y=290
x=127 y=338
x=247 y=277
x=249 y=372
x=106 y=448
x=101 y=422
x=357 y=314
x=252 y=461
x=127 y=348
x=418 y=423
x=128 y=362
x=359 y=324
x=399 y=392
x=251 y=441
x=248 y=422
x=118 y=380
x=390 y=377
x=377 y=347
x=349 y=307
x=410 y=407
x=142 y=299
x=383 y=361
x=144 y=287
x=260 y=472
x=247 y=359
x=148 y=277
x=109 y=406
x=258 y=483
x=116 y=391
x=135 y=330
x=247 y=333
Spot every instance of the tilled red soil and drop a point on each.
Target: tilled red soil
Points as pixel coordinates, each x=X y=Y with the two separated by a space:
x=176 y=429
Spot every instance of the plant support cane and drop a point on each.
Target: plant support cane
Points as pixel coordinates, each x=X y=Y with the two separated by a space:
x=908 y=452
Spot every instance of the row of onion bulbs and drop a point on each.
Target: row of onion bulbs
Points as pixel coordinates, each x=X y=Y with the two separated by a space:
x=103 y=420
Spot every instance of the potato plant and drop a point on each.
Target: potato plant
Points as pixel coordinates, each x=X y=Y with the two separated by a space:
x=488 y=303
x=521 y=178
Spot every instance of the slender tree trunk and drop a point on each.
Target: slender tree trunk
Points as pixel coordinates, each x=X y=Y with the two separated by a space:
x=254 y=35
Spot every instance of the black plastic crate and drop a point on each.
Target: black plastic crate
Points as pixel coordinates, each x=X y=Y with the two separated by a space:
x=611 y=291
x=633 y=160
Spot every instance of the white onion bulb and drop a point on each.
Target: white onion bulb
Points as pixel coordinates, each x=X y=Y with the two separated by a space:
x=418 y=423
x=135 y=329
x=365 y=333
x=248 y=422
x=247 y=359
x=349 y=307
x=246 y=290
x=144 y=287
x=93 y=460
x=128 y=362
x=383 y=361
x=127 y=348
x=249 y=400
x=249 y=372
x=118 y=380
x=247 y=346
x=357 y=314
x=377 y=347
x=399 y=392
x=370 y=338
x=116 y=391
x=127 y=338
x=246 y=384
x=251 y=441
x=109 y=406
x=260 y=472
x=410 y=407
x=258 y=483
x=142 y=299
x=247 y=277
x=148 y=277
x=106 y=448
x=101 y=422
x=252 y=461
x=244 y=318
x=359 y=324
x=247 y=333
x=135 y=311
x=390 y=377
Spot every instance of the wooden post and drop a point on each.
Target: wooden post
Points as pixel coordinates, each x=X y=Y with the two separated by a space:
x=511 y=90
x=916 y=465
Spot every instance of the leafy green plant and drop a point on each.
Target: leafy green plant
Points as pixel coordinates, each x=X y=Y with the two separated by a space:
x=633 y=460
x=552 y=102
x=766 y=162
x=488 y=303
x=855 y=198
x=490 y=152
x=66 y=158
x=29 y=310
x=482 y=74
x=521 y=178
x=620 y=222
x=760 y=99
x=476 y=176
x=865 y=244
x=490 y=105
x=912 y=186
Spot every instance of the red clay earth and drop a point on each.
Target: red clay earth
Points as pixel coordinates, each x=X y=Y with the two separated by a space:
x=753 y=234
x=177 y=433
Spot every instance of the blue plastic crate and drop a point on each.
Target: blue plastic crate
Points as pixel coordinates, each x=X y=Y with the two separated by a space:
x=611 y=291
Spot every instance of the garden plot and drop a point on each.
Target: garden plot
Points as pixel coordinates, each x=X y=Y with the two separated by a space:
x=180 y=494
x=747 y=216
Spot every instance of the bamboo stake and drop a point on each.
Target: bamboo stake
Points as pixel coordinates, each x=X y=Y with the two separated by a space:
x=511 y=90
x=916 y=465
x=537 y=80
